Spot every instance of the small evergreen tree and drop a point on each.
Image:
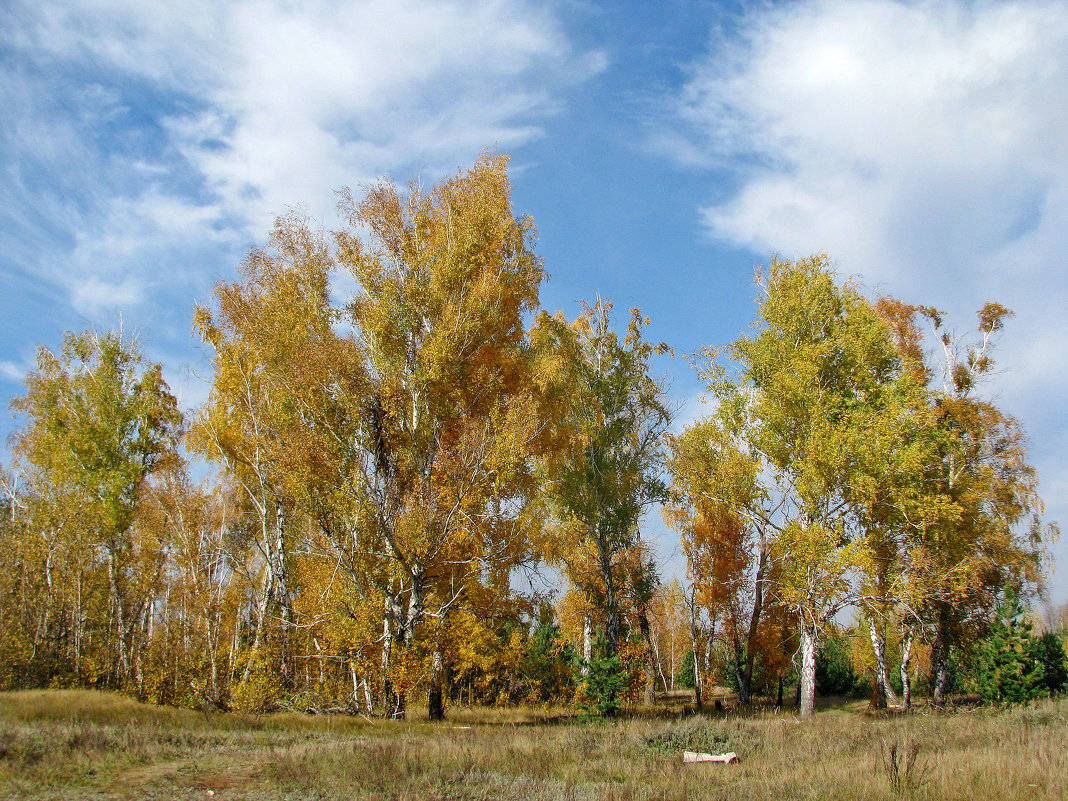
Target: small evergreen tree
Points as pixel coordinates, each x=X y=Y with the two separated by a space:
x=1054 y=663
x=1006 y=668
x=685 y=675
x=602 y=678
x=546 y=662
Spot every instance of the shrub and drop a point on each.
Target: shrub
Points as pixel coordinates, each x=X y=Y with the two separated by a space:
x=704 y=735
x=261 y=691
x=685 y=676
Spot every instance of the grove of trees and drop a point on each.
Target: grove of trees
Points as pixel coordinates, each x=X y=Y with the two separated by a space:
x=399 y=440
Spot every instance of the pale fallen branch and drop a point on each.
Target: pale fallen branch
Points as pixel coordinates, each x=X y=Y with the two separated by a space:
x=697 y=756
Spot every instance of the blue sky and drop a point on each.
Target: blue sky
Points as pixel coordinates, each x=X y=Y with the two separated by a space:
x=665 y=149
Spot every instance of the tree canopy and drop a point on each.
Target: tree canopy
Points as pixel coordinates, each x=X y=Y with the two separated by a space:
x=400 y=437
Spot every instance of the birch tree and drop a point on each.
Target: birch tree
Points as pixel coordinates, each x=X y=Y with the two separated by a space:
x=99 y=422
x=608 y=472
x=966 y=502
x=452 y=410
x=727 y=520
x=805 y=390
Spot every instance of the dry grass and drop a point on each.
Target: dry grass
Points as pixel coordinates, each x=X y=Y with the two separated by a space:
x=83 y=745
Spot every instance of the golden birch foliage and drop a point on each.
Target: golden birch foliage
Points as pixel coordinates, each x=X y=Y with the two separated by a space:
x=199 y=592
x=269 y=332
x=446 y=280
x=572 y=609
x=99 y=422
x=807 y=392
x=814 y=378
x=715 y=504
x=607 y=470
x=968 y=509
x=402 y=422
x=727 y=522
x=670 y=621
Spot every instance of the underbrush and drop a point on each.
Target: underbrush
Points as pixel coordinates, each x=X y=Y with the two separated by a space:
x=708 y=736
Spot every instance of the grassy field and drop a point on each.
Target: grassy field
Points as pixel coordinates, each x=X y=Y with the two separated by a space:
x=85 y=745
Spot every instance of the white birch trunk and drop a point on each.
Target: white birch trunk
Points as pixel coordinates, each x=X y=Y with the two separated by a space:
x=906 y=658
x=885 y=693
x=808 y=671
x=587 y=644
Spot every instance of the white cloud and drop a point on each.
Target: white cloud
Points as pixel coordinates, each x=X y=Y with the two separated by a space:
x=93 y=295
x=171 y=121
x=922 y=144
x=912 y=139
x=341 y=93
x=9 y=371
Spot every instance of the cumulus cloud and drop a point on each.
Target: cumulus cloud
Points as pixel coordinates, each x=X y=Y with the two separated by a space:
x=915 y=138
x=919 y=143
x=922 y=145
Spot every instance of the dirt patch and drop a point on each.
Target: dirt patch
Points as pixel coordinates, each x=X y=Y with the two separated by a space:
x=217 y=773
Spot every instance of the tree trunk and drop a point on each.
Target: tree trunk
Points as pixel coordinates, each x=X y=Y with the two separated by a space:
x=743 y=672
x=367 y=696
x=649 y=696
x=118 y=618
x=745 y=676
x=611 y=609
x=435 y=695
x=587 y=643
x=611 y=620
x=808 y=671
x=939 y=666
x=262 y=605
x=398 y=705
x=883 y=691
x=79 y=625
x=388 y=702
x=280 y=585
x=399 y=631
x=698 y=679
x=906 y=658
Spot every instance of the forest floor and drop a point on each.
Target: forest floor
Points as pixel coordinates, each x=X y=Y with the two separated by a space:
x=85 y=745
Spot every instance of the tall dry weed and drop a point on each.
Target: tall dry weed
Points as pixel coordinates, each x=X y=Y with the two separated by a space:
x=903 y=770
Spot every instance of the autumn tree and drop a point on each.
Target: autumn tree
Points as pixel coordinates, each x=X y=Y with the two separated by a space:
x=452 y=408
x=265 y=333
x=403 y=422
x=977 y=524
x=608 y=472
x=727 y=519
x=192 y=654
x=802 y=395
x=99 y=422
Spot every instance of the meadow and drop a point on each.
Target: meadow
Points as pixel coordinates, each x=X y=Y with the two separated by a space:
x=86 y=745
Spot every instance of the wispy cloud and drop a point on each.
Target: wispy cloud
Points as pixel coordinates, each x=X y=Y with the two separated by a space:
x=135 y=126
x=9 y=371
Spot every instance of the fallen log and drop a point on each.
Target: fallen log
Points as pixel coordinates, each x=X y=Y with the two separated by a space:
x=697 y=756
